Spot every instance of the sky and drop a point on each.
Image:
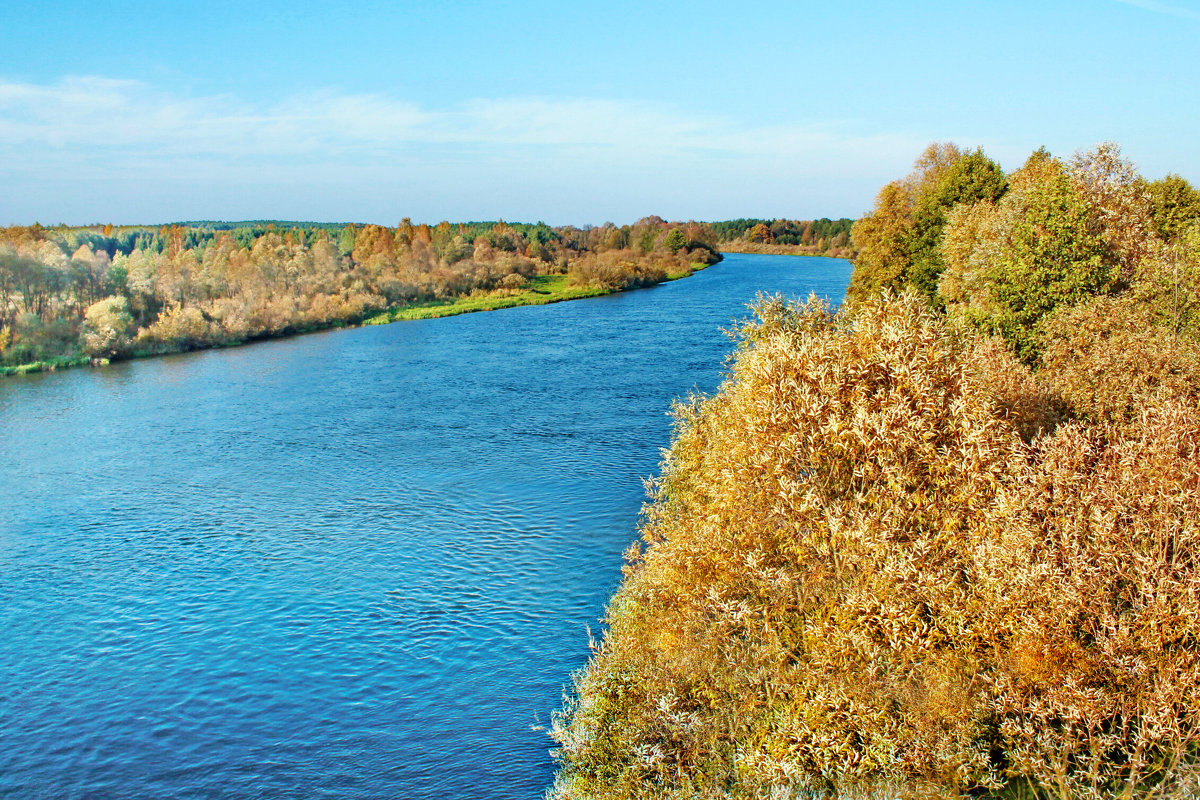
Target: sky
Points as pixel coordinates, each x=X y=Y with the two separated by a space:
x=150 y=112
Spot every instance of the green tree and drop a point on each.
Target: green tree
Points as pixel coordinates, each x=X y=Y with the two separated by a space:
x=675 y=240
x=1053 y=255
x=1174 y=203
x=345 y=240
x=970 y=178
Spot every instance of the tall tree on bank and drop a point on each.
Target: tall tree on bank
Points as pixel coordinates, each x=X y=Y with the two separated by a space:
x=898 y=240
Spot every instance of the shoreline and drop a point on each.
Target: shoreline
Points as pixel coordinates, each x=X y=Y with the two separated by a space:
x=763 y=249
x=543 y=290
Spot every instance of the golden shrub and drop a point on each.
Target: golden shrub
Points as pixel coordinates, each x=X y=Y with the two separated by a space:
x=859 y=574
x=177 y=328
x=622 y=269
x=1109 y=359
x=107 y=327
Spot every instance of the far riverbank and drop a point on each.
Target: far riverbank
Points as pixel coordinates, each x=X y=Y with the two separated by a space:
x=772 y=249
x=539 y=290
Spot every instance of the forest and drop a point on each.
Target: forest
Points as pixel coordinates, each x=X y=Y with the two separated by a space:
x=74 y=295
x=820 y=237
x=943 y=541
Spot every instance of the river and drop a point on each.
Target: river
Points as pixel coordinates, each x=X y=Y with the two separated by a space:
x=354 y=564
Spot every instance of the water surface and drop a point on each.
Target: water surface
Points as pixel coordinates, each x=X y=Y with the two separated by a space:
x=356 y=564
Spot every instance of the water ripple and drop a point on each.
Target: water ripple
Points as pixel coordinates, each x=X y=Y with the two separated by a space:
x=354 y=564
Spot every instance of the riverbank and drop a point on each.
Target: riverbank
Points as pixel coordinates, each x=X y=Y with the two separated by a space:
x=765 y=249
x=540 y=290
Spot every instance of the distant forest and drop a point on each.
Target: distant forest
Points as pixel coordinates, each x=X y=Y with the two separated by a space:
x=829 y=237
x=73 y=294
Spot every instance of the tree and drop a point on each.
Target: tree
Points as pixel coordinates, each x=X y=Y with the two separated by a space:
x=968 y=179
x=1174 y=203
x=675 y=240
x=1110 y=184
x=884 y=237
x=898 y=242
x=1040 y=247
x=881 y=239
x=107 y=327
x=760 y=233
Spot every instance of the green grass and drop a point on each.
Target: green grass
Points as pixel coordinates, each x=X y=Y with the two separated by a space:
x=49 y=365
x=693 y=267
x=542 y=289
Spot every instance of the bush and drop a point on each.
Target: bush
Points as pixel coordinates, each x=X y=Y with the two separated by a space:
x=1110 y=361
x=107 y=327
x=616 y=270
x=177 y=328
x=859 y=576
x=32 y=340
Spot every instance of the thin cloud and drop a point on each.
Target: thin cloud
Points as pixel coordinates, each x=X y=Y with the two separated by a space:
x=101 y=115
x=1163 y=8
x=128 y=149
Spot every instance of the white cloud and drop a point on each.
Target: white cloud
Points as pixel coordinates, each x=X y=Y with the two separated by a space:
x=93 y=114
x=101 y=114
x=121 y=137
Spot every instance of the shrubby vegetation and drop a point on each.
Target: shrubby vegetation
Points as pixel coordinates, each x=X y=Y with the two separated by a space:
x=72 y=294
x=944 y=542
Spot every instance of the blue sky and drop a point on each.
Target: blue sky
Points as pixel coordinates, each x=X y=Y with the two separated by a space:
x=152 y=112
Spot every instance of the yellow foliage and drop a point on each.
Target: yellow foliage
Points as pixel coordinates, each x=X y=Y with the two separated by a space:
x=176 y=328
x=107 y=327
x=622 y=269
x=873 y=560
x=1110 y=361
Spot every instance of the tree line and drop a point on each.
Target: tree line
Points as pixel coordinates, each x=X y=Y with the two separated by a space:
x=943 y=541
x=101 y=292
x=823 y=236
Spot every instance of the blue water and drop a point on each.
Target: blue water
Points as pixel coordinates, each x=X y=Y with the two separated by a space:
x=356 y=564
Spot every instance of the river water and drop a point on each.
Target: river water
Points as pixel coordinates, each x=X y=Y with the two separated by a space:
x=355 y=564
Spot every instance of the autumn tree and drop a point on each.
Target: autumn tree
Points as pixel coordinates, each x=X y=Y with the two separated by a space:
x=969 y=178
x=1174 y=204
x=884 y=237
x=107 y=327
x=1109 y=183
x=898 y=241
x=760 y=233
x=881 y=238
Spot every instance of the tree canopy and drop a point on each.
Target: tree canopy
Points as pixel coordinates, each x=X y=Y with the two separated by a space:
x=930 y=545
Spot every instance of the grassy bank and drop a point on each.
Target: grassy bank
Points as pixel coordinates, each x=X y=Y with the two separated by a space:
x=540 y=290
x=771 y=249
x=49 y=365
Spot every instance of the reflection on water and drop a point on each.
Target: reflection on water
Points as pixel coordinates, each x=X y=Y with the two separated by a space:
x=351 y=564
